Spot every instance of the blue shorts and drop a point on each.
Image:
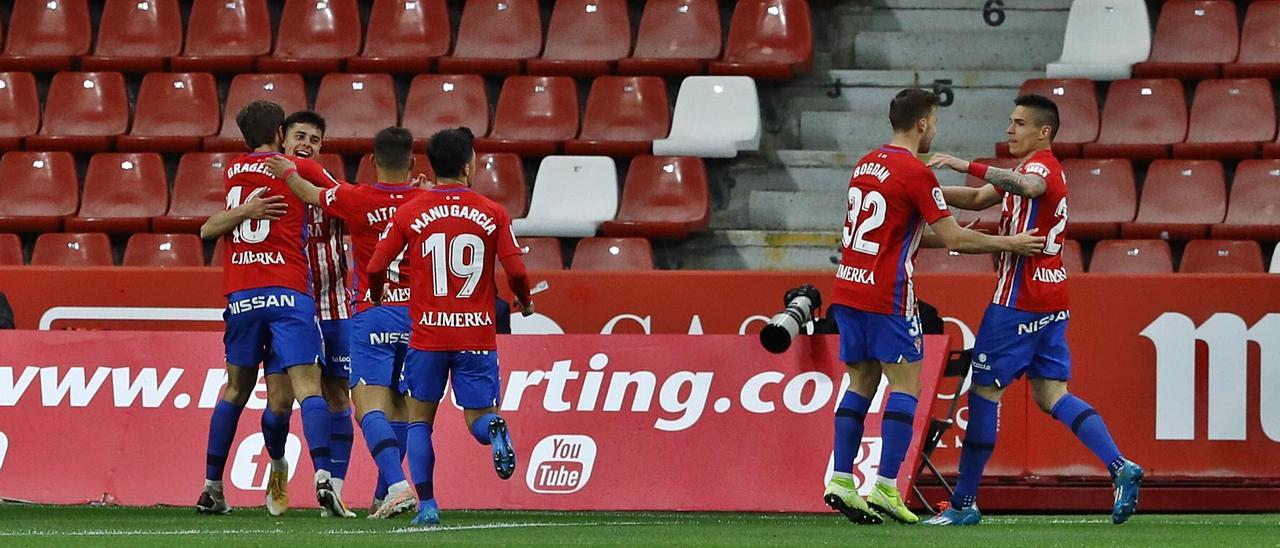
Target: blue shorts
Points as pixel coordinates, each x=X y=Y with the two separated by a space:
x=273 y=326
x=474 y=374
x=337 y=348
x=869 y=336
x=379 y=342
x=1012 y=342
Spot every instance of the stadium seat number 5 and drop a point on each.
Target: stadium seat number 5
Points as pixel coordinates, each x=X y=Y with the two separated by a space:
x=249 y=231
x=855 y=232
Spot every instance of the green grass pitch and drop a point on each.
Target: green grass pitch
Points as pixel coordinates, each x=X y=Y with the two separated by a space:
x=31 y=525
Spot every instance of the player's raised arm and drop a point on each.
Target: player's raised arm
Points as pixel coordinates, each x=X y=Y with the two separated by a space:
x=1029 y=185
x=284 y=168
x=256 y=208
x=388 y=248
x=964 y=240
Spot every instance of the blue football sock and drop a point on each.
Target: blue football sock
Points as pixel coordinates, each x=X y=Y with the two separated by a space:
x=1087 y=425
x=422 y=459
x=896 y=429
x=275 y=432
x=382 y=445
x=480 y=428
x=401 y=430
x=315 y=427
x=222 y=429
x=341 y=435
x=849 y=425
x=979 y=442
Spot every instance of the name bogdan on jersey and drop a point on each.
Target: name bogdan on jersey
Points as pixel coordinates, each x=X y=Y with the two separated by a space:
x=459 y=211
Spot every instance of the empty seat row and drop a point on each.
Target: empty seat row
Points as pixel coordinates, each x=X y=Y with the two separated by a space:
x=1181 y=200
x=1147 y=119
x=168 y=250
x=175 y=112
x=1123 y=257
x=1197 y=39
x=769 y=39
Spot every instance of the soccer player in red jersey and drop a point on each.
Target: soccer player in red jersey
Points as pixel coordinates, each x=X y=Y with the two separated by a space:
x=1024 y=329
x=892 y=196
x=270 y=313
x=380 y=335
x=452 y=238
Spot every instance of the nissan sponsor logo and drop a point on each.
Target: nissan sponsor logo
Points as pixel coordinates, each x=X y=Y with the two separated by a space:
x=561 y=464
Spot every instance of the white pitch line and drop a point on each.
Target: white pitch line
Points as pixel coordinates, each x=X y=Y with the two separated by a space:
x=398 y=530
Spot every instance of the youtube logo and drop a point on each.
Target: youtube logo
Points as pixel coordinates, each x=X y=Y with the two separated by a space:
x=561 y=464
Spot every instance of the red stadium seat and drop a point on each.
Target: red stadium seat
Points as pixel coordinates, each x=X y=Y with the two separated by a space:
x=613 y=254
x=1229 y=119
x=1221 y=256
x=495 y=37
x=199 y=190
x=438 y=101
x=46 y=36
x=676 y=37
x=663 y=197
x=1131 y=257
x=314 y=37
x=333 y=164
x=1193 y=39
x=1259 y=49
x=62 y=249
x=535 y=115
x=500 y=177
x=19 y=109
x=585 y=38
x=366 y=174
x=404 y=36
x=942 y=260
x=987 y=220
x=10 y=250
x=1077 y=101
x=175 y=112
x=225 y=36
x=286 y=90
x=1072 y=256
x=122 y=192
x=1254 y=210
x=1180 y=199
x=136 y=36
x=219 y=253
x=163 y=250
x=1140 y=120
x=768 y=40
x=624 y=115
x=84 y=111
x=1103 y=196
x=542 y=254
x=37 y=190
x=355 y=107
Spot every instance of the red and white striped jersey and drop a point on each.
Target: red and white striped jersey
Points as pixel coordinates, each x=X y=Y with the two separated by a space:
x=1037 y=283
x=328 y=265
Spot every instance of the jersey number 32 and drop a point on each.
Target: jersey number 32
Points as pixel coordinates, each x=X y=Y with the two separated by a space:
x=857 y=226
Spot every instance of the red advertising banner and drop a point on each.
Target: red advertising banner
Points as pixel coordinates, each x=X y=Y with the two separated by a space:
x=666 y=422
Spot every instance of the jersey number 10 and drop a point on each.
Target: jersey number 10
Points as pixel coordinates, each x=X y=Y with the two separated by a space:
x=461 y=257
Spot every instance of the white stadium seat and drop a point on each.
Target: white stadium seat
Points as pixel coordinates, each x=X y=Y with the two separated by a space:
x=1104 y=39
x=1275 y=260
x=572 y=197
x=715 y=117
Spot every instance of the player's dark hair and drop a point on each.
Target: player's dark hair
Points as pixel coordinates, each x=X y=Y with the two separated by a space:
x=1043 y=110
x=393 y=148
x=449 y=151
x=259 y=121
x=910 y=105
x=309 y=117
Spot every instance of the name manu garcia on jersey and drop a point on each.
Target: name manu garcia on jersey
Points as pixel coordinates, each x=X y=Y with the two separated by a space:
x=476 y=216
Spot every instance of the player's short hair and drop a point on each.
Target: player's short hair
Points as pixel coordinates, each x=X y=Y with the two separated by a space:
x=1043 y=111
x=393 y=148
x=910 y=105
x=309 y=117
x=259 y=121
x=449 y=151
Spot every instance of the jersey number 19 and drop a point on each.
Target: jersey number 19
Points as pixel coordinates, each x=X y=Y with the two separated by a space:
x=461 y=257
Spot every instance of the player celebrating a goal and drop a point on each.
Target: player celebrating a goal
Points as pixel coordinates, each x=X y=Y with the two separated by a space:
x=891 y=197
x=1024 y=329
x=454 y=237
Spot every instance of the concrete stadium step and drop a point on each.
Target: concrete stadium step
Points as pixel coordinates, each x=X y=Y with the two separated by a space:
x=952 y=16
x=957 y=50
x=759 y=250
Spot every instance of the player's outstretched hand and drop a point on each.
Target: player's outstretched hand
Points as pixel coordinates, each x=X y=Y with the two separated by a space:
x=526 y=309
x=1027 y=243
x=424 y=182
x=948 y=161
x=279 y=165
x=270 y=208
